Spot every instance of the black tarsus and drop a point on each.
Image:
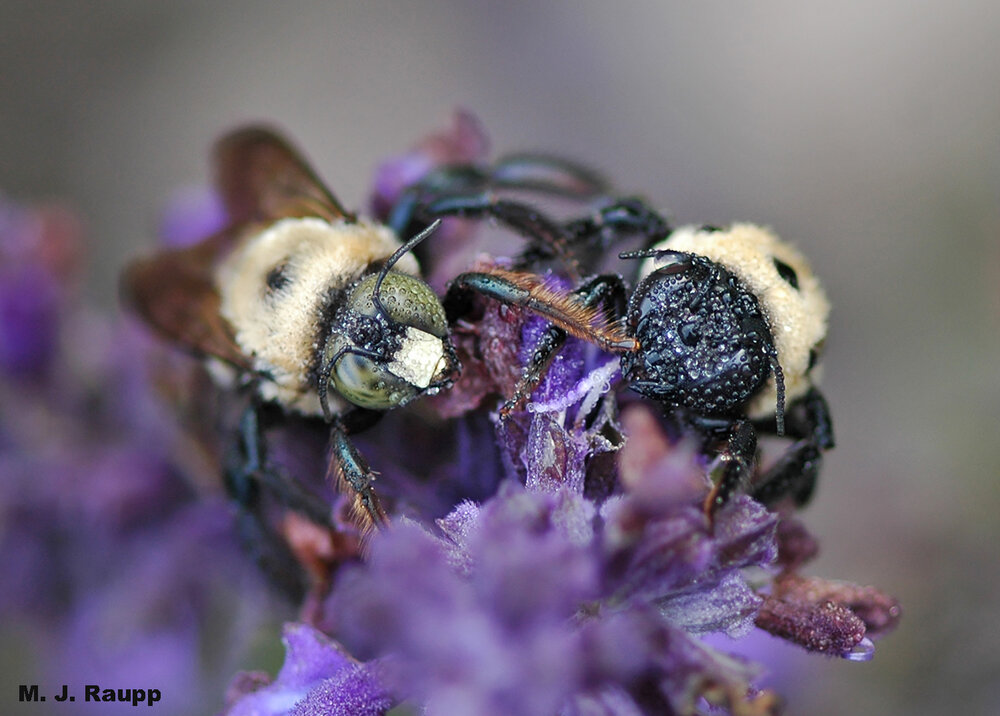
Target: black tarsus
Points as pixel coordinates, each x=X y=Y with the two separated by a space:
x=737 y=459
x=354 y=470
x=795 y=473
x=247 y=476
x=606 y=290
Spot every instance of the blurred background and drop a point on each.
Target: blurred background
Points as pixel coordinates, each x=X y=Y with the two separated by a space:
x=866 y=132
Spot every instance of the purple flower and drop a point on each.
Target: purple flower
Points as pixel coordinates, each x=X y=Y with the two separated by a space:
x=29 y=319
x=39 y=260
x=517 y=607
x=828 y=616
x=318 y=679
x=553 y=560
x=109 y=511
x=553 y=597
x=538 y=601
x=191 y=214
x=493 y=641
x=463 y=142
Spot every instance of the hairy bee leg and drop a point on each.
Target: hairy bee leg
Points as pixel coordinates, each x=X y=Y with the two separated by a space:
x=607 y=291
x=796 y=472
x=737 y=462
x=352 y=469
x=565 y=310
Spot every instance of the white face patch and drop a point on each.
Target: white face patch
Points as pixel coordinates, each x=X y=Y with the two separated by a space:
x=797 y=316
x=273 y=285
x=420 y=358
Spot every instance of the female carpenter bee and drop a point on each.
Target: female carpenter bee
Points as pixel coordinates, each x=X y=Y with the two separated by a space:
x=724 y=328
x=318 y=311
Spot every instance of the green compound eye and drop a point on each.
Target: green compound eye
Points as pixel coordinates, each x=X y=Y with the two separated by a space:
x=366 y=383
x=408 y=301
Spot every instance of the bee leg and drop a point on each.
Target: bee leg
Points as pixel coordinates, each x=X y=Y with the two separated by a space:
x=287 y=491
x=623 y=218
x=548 y=175
x=607 y=291
x=566 y=310
x=736 y=461
x=529 y=172
x=545 y=351
x=244 y=469
x=408 y=215
x=352 y=470
x=795 y=473
x=546 y=237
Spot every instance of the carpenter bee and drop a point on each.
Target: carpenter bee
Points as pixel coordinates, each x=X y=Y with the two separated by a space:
x=724 y=329
x=311 y=308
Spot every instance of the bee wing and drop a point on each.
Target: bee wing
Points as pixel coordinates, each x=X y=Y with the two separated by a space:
x=262 y=178
x=174 y=293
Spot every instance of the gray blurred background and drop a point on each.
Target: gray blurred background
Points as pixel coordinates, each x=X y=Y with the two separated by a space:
x=866 y=132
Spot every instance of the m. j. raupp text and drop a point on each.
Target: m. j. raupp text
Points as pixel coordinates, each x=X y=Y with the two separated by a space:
x=92 y=692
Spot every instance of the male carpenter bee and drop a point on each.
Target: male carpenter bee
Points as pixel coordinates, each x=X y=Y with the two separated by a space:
x=723 y=328
x=318 y=311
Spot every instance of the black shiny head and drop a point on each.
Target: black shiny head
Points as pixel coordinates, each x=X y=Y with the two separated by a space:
x=704 y=343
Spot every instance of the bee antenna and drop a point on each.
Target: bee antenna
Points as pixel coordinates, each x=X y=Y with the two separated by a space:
x=399 y=253
x=652 y=253
x=325 y=370
x=779 y=384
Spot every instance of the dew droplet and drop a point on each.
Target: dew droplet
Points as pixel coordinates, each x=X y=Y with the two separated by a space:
x=864 y=650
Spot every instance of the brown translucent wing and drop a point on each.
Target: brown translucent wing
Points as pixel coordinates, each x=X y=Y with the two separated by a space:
x=262 y=178
x=174 y=293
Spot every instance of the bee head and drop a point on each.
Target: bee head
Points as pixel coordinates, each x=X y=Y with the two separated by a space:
x=391 y=342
